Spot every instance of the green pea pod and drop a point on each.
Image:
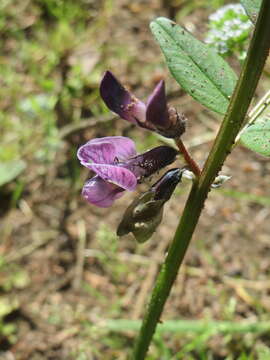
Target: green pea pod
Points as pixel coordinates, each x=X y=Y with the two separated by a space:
x=144 y=214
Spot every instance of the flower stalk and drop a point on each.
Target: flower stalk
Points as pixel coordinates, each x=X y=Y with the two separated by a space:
x=231 y=125
x=193 y=166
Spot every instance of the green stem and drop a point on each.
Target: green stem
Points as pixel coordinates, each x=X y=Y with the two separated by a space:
x=233 y=121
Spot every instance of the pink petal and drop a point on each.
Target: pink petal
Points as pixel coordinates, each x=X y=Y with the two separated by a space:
x=121 y=101
x=124 y=147
x=117 y=175
x=105 y=150
x=100 y=193
x=92 y=152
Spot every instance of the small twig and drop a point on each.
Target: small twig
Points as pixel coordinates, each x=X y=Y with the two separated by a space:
x=121 y=256
x=190 y=162
x=194 y=142
x=84 y=124
x=80 y=255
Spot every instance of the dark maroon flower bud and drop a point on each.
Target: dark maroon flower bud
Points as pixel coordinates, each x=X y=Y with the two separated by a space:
x=165 y=186
x=120 y=101
x=156 y=108
x=154 y=115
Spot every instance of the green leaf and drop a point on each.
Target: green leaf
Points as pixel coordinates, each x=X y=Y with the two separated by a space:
x=256 y=137
x=10 y=170
x=196 y=67
x=252 y=8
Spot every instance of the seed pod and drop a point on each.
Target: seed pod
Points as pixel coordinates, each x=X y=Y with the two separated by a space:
x=144 y=214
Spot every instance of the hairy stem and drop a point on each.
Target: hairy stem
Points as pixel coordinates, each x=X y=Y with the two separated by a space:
x=233 y=121
x=189 y=160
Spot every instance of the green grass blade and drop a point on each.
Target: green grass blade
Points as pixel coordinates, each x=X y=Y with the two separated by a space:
x=191 y=326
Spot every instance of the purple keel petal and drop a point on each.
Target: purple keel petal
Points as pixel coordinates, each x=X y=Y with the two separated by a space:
x=117 y=175
x=100 y=193
x=156 y=107
x=120 y=101
x=105 y=150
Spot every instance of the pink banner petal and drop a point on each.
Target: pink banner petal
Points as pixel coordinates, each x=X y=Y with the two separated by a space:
x=101 y=153
x=105 y=150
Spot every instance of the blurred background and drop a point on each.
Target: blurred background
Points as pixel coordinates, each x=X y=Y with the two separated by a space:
x=63 y=271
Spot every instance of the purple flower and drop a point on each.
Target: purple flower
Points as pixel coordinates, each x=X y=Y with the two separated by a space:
x=118 y=167
x=154 y=115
